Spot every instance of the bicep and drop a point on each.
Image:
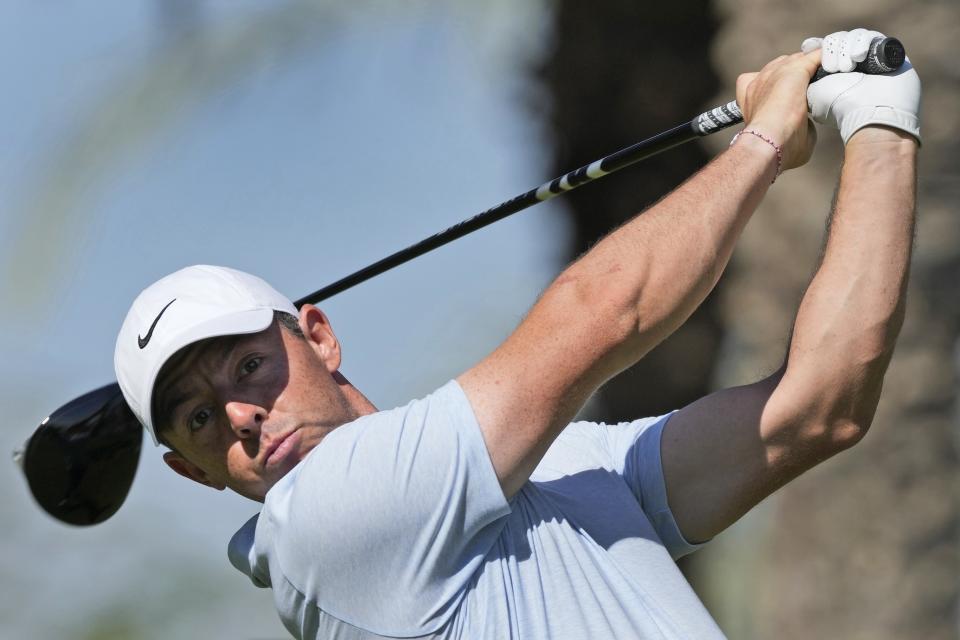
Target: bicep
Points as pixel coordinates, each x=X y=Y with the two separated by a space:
x=530 y=387
x=726 y=452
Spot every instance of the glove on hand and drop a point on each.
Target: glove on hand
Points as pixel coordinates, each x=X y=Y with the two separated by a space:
x=852 y=100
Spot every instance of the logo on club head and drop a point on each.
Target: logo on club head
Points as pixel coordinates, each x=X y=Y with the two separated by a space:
x=143 y=342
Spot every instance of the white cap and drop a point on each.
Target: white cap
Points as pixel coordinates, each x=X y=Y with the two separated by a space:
x=190 y=305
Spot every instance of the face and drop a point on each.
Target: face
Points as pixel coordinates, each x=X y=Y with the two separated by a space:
x=241 y=412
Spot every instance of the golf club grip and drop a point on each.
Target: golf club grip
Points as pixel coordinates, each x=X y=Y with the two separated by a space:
x=885 y=55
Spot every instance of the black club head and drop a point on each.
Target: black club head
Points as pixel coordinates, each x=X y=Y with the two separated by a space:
x=80 y=462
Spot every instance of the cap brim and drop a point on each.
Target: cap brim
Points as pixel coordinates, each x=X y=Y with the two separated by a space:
x=231 y=324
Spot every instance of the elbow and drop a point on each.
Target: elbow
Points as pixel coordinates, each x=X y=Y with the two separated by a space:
x=606 y=305
x=833 y=408
x=844 y=434
x=849 y=414
x=824 y=439
x=596 y=315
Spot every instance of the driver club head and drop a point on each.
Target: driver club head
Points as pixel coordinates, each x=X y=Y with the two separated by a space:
x=81 y=460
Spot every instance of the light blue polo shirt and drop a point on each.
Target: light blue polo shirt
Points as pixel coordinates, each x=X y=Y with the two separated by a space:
x=395 y=526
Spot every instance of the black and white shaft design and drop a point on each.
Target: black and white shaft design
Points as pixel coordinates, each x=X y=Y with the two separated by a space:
x=114 y=431
x=704 y=124
x=719 y=118
x=885 y=54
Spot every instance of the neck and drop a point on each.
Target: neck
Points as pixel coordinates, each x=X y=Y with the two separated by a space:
x=357 y=401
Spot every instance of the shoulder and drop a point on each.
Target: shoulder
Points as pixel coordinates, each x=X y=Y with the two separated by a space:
x=399 y=433
x=241 y=553
x=333 y=525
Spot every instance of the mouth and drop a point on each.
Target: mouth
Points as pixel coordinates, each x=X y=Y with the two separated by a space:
x=282 y=449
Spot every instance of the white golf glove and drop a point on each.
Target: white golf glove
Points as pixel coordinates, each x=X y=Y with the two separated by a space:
x=852 y=100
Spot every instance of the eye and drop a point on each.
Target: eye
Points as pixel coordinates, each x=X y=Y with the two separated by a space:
x=199 y=419
x=250 y=365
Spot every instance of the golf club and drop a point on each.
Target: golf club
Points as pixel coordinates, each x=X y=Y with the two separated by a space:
x=81 y=460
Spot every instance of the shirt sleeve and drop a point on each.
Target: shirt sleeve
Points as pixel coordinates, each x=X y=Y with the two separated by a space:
x=391 y=516
x=635 y=448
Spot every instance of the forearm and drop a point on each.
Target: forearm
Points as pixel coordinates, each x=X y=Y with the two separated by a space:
x=610 y=307
x=649 y=275
x=850 y=316
x=637 y=285
x=758 y=437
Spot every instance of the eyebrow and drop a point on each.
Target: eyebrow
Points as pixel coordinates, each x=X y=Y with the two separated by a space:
x=173 y=405
x=179 y=396
x=227 y=354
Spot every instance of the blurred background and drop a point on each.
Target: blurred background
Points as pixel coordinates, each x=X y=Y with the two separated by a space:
x=303 y=139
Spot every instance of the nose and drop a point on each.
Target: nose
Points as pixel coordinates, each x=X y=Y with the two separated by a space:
x=245 y=418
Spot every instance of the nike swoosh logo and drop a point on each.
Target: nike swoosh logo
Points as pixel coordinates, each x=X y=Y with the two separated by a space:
x=143 y=342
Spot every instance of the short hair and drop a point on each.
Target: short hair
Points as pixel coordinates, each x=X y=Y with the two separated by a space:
x=159 y=404
x=289 y=322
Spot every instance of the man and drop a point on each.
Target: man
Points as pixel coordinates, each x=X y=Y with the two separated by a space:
x=480 y=511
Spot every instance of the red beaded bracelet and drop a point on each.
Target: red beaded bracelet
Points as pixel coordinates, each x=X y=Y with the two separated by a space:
x=773 y=144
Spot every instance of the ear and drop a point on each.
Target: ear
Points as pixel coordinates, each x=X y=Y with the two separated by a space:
x=189 y=470
x=318 y=332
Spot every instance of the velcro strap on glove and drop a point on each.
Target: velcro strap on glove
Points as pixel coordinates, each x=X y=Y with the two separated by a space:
x=882 y=115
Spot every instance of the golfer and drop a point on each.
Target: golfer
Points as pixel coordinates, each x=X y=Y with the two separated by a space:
x=480 y=511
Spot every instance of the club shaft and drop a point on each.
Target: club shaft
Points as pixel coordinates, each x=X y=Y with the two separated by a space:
x=704 y=124
x=885 y=54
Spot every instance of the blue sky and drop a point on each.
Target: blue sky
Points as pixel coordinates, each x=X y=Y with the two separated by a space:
x=295 y=140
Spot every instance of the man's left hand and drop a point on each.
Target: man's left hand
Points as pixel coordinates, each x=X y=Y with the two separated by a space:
x=852 y=100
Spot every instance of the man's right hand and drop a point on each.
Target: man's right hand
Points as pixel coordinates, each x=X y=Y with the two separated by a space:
x=773 y=102
x=636 y=286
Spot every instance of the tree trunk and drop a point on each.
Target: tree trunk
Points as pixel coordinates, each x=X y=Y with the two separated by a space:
x=866 y=546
